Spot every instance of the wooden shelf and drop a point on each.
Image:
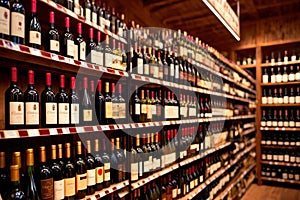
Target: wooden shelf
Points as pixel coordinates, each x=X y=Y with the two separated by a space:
x=237 y=179
x=280 y=180
x=53 y=61
x=250 y=66
x=281 y=105
x=281 y=83
x=280 y=146
x=278 y=129
x=248 y=131
x=288 y=164
x=280 y=64
x=22 y=133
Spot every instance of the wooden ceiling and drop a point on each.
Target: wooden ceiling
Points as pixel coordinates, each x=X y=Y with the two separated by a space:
x=195 y=18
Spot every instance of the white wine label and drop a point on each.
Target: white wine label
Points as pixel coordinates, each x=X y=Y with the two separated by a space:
x=176 y=75
x=54 y=45
x=174 y=193
x=63 y=113
x=140 y=169
x=115 y=110
x=264 y=100
x=146 y=69
x=280 y=157
x=88 y=14
x=122 y=110
x=76 y=57
x=263 y=156
x=286 y=158
x=153 y=109
x=99 y=60
x=69 y=184
x=87 y=115
x=134 y=171
x=172 y=70
x=291 y=99
x=278 y=78
x=137 y=109
x=269 y=142
x=94 y=55
x=4 y=20
x=58 y=189
x=108 y=110
x=32 y=113
x=297 y=99
x=265 y=78
x=144 y=109
x=70 y=48
x=286 y=124
x=285 y=78
x=292 y=159
x=91 y=177
x=51 y=113
x=106 y=171
x=81 y=181
x=108 y=60
x=17 y=24
x=140 y=66
x=16 y=113
x=94 y=18
x=155 y=71
x=269 y=157
x=280 y=100
x=192 y=112
x=82 y=51
x=35 y=37
x=298 y=124
x=275 y=157
x=74 y=113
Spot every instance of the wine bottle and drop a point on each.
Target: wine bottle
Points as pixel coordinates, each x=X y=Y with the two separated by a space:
x=4 y=175
x=91 y=52
x=87 y=10
x=134 y=161
x=52 y=45
x=69 y=173
x=49 y=105
x=31 y=98
x=115 y=103
x=34 y=28
x=100 y=103
x=292 y=96
x=15 y=192
x=79 y=45
x=16 y=160
x=17 y=22
x=107 y=18
x=31 y=186
x=81 y=173
x=108 y=105
x=291 y=74
x=106 y=162
x=297 y=76
x=297 y=98
x=73 y=103
x=94 y=17
x=58 y=179
x=5 y=20
x=99 y=167
x=108 y=55
x=273 y=76
x=67 y=43
x=117 y=162
x=285 y=75
x=86 y=105
x=122 y=106
x=99 y=50
x=14 y=115
x=135 y=106
x=45 y=176
x=69 y=5
x=278 y=76
x=91 y=173
x=62 y=104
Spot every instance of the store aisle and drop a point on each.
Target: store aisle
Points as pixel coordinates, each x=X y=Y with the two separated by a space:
x=265 y=192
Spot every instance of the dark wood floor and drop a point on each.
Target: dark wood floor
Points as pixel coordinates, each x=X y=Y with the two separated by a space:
x=265 y=192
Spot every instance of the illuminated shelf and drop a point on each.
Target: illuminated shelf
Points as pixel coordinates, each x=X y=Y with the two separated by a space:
x=280 y=180
x=280 y=63
x=248 y=131
x=288 y=164
x=279 y=129
x=281 y=105
x=281 y=83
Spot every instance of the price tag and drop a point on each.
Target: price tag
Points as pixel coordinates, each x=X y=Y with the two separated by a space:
x=53 y=131
x=35 y=52
x=15 y=46
x=126 y=125
x=11 y=134
x=80 y=129
x=54 y=57
x=33 y=132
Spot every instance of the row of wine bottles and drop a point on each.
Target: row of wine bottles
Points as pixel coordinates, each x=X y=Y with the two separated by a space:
x=282 y=172
x=280 y=155
x=278 y=59
x=281 y=95
x=280 y=118
x=287 y=139
x=281 y=75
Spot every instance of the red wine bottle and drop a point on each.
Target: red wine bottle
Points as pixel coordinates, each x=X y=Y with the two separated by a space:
x=31 y=98
x=49 y=105
x=86 y=105
x=91 y=53
x=17 y=22
x=91 y=173
x=100 y=104
x=67 y=43
x=5 y=20
x=74 y=104
x=69 y=173
x=53 y=37
x=14 y=115
x=62 y=104
x=81 y=175
x=34 y=28
x=79 y=45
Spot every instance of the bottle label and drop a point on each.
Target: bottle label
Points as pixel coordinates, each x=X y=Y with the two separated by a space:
x=192 y=112
x=286 y=124
x=274 y=123
x=75 y=113
x=172 y=70
x=137 y=109
x=76 y=52
x=140 y=66
x=106 y=171
x=155 y=71
x=108 y=60
x=297 y=176
x=149 y=111
x=94 y=55
x=174 y=193
x=146 y=166
x=87 y=115
x=284 y=78
x=54 y=45
x=82 y=51
x=58 y=189
x=292 y=123
x=264 y=100
x=285 y=99
x=293 y=159
x=108 y=109
x=273 y=78
x=153 y=109
x=146 y=69
x=140 y=169
x=115 y=110
x=286 y=158
x=88 y=14
x=91 y=177
x=32 y=113
x=278 y=78
x=183 y=111
x=292 y=100
x=263 y=123
x=291 y=77
x=51 y=113
x=298 y=76
x=102 y=22
x=120 y=171
x=81 y=181
x=122 y=110
x=63 y=113
x=70 y=48
x=94 y=18
x=16 y=115
x=280 y=100
x=99 y=174
x=275 y=100
x=280 y=157
x=297 y=124
x=134 y=171
x=144 y=109
x=275 y=157
x=297 y=99
x=269 y=157
x=298 y=158
x=270 y=100
x=47 y=189
x=265 y=78
x=4 y=20
x=176 y=72
x=263 y=156
x=34 y=37
x=99 y=59
x=69 y=186
x=18 y=21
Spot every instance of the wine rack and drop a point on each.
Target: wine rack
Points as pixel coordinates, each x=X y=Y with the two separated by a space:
x=41 y=61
